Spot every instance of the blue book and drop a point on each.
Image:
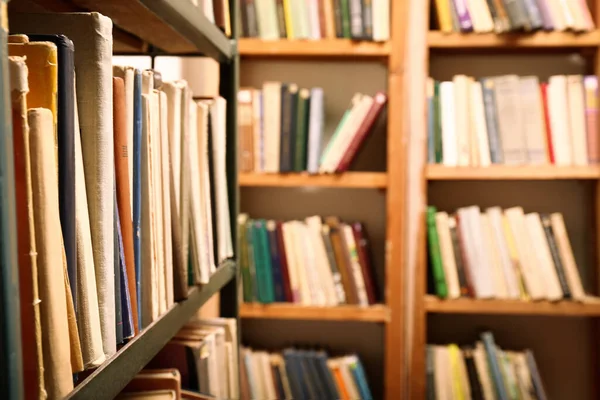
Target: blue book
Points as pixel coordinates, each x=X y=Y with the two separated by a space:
x=326 y=374
x=126 y=313
x=275 y=261
x=360 y=378
x=11 y=363
x=495 y=372
x=137 y=187
x=491 y=120
x=294 y=374
x=536 y=379
x=311 y=383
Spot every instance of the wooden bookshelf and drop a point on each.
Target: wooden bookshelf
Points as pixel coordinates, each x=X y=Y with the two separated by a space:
x=354 y=180
x=505 y=172
x=565 y=308
x=376 y=313
x=313 y=48
x=440 y=40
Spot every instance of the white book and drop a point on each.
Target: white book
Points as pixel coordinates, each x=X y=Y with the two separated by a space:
x=317 y=291
x=479 y=125
x=492 y=254
x=494 y=215
x=313 y=19
x=577 y=120
x=381 y=20
x=258 y=130
x=480 y=14
x=166 y=198
x=483 y=371
x=301 y=23
x=218 y=111
x=532 y=114
x=266 y=17
x=447 y=252
x=510 y=119
x=541 y=252
x=290 y=255
x=348 y=378
x=558 y=110
x=529 y=269
x=268 y=374
x=271 y=97
x=566 y=256
x=314 y=227
x=307 y=297
x=448 y=117
x=442 y=373
x=359 y=280
x=567 y=13
x=316 y=125
x=559 y=21
x=482 y=273
x=462 y=120
x=208 y=9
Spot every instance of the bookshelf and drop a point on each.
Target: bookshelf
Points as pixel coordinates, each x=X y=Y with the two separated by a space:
x=379 y=194
x=174 y=27
x=521 y=322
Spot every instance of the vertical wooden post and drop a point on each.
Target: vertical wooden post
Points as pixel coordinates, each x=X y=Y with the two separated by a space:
x=396 y=161
x=596 y=275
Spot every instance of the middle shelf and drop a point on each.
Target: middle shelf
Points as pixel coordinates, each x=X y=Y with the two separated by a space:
x=375 y=313
x=366 y=180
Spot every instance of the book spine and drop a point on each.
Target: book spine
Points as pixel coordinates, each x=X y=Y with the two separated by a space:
x=367 y=6
x=322 y=14
x=285 y=273
x=356 y=19
x=516 y=14
x=461 y=230
x=590 y=84
x=118 y=302
x=546 y=14
x=535 y=376
x=290 y=29
x=249 y=14
x=362 y=247
x=275 y=261
x=244 y=259
x=137 y=186
x=435 y=254
x=281 y=19
x=301 y=131
x=285 y=157
x=533 y=12
x=437 y=120
x=458 y=258
x=558 y=265
x=345 y=18
x=462 y=13
x=491 y=119
x=315 y=131
x=495 y=371
x=498 y=26
x=430 y=121
x=335 y=272
x=502 y=15
x=252 y=260
x=246 y=131
x=548 y=126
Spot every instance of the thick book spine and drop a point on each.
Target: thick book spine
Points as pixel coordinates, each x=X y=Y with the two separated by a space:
x=350 y=290
x=302 y=120
x=517 y=14
x=275 y=254
x=536 y=379
x=558 y=265
x=335 y=272
x=462 y=14
x=491 y=120
x=473 y=378
x=546 y=14
x=265 y=280
x=285 y=274
x=249 y=12
x=435 y=255
x=430 y=121
x=362 y=132
x=252 y=254
x=498 y=27
x=338 y=18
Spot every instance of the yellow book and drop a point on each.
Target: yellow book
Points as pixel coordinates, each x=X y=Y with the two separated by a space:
x=287 y=11
x=514 y=257
x=444 y=16
x=457 y=382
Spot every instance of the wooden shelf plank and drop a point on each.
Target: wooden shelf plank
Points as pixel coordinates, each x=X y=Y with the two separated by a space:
x=376 y=313
x=524 y=172
x=440 y=40
x=312 y=48
x=365 y=180
x=511 y=307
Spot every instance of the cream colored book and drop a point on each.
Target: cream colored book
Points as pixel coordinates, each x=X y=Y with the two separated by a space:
x=480 y=14
x=127 y=74
x=523 y=375
x=447 y=251
x=566 y=255
x=567 y=13
x=348 y=378
x=268 y=374
x=558 y=110
x=479 y=127
x=53 y=311
x=314 y=227
x=529 y=269
x=271 y=96
x=258 y=383
x=483 y=371
x=449 y=118
x=381 y=20
x=534 y=127
x=510 y=121
x=277 y=361
x=558 y=18
x=493 y=257
x=314 y=267
x=166 y=197
x=462 y=94
x=577 y=119
x=309 y=294
x=442 y=373
x=186 y=97
x=290 y=254
x=541 y=252
x=494 y=215
x=260 y=127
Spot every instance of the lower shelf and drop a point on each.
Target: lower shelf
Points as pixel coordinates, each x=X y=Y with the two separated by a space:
x=435 y=305
x=376 y=313
x=112 y=376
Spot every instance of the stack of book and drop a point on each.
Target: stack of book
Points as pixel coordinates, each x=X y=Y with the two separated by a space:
x=513 y=120
x=513 y=15
x=205 y=352
x=316 y=19
x=281 y=129
x=306 y=262
x=120 y=183
x=502 y=254
x=483 y=371
x=302 y=374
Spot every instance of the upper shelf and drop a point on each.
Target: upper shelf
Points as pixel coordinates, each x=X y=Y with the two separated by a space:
x=353 y=180
x=507 y=172
x=440 y=40
x=111 y=377
x=173 y=26
x=312 y=48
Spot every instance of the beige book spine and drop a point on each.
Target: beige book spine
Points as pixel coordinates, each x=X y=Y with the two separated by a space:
x=55 y=326
x=127 y=74
x=205 y=188
x=483 y=372
x=463 y=119
x=567 y=257
x=447 y=252
x=493 y=257
x=576 y=101
x=290 y=253
x=184 y=183
x=558 y=110
x=324 y=269
x=166 y=200
x=306 y=291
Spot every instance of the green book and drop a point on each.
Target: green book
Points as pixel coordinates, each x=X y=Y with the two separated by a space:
x=243 y=258
x=301 y=130
x=437 y=123
x=262 y=256
x=252 y=286
x=435 y=254
x=346 y=19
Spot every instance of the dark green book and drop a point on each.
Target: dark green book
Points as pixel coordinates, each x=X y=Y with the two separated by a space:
x=243 y=259
x=289 y=100
x=252 y=287
x=302 y=115
x=345 y=6
x=437 y=123
x=262 y=257
x=435 y=255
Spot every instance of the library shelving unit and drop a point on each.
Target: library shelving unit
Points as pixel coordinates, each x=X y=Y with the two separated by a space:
x=390 y=182
x=545 y=184
x=173 y=27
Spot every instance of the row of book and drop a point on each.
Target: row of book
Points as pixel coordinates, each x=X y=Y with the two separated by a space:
x=302 y=374
x=482 y=371
x=307 y=262
x=316 y=19
x=281 y=129
x=502 y=254
x=107 y=161
x=513 y=15
x=513 y=120
x=217 y=12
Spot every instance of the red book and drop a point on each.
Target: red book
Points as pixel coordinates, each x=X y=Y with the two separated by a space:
x=544 y=88
x=362 y=132
x=362 y=248
x=285 y=274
